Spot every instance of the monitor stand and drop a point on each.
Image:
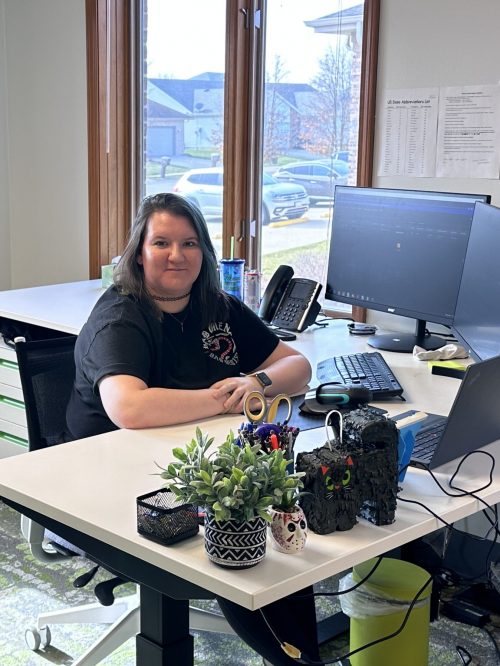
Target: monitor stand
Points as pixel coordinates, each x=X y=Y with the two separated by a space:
x=404 y=342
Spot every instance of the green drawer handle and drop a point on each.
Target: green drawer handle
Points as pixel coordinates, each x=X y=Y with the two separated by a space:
x=9 y=364
x=11 y=402
x=13 y=439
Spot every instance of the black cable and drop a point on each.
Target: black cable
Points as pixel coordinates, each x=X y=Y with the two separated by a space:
x=340 y=592
x=328 y=318
x=464 y=654
x=442 y=334
x=294 y=653
x=463 y=493
x=446 y=336
x=493 y=640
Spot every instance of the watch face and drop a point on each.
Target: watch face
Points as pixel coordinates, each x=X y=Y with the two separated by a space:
x=263 y=379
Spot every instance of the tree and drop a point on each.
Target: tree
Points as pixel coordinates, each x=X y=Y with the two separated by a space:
x=276 y=123
x=325 y=128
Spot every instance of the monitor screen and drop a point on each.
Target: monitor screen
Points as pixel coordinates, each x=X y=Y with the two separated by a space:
x=402 y=252
x=477 y=315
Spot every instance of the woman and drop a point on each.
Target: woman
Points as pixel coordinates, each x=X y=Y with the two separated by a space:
x=165 y=344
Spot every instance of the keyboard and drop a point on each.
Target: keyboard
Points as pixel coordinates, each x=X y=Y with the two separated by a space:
x=368 y=369
x=427 y=439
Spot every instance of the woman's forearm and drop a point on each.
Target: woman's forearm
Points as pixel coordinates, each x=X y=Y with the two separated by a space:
x=129 y=403
x=288 y=375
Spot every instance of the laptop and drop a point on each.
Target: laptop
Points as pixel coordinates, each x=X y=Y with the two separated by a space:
x=473 y=421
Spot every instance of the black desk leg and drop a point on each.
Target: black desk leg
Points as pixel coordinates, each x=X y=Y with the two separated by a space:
x=164 y=639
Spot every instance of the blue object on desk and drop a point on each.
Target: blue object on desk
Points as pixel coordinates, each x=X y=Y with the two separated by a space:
x=407 y=435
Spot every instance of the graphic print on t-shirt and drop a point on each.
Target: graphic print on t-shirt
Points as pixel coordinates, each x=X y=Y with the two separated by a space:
x=218 y=343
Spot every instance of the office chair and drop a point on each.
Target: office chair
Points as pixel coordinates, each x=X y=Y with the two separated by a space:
x=47 y=370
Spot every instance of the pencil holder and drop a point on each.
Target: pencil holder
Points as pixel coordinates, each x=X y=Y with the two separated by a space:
x=270 y=436
x=162 y=518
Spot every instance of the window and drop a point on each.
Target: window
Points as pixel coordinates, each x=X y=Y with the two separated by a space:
x=268 y=84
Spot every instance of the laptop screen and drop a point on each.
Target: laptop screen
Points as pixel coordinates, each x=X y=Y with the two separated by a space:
x=474 y=419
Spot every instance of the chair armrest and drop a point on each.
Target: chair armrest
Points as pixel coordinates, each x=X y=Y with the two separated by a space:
x=34 y=533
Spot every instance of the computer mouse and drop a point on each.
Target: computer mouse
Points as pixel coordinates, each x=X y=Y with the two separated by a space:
x=332 y=393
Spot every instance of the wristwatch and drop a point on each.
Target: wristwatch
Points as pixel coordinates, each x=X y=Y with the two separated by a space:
x=263 y=380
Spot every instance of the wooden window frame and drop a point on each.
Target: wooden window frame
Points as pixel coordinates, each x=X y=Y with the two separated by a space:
x=115 y=104
x=110 y=126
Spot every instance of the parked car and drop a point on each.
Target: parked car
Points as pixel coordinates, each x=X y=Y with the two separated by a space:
x=319 y=177
x=342 y=155
x=203 y=187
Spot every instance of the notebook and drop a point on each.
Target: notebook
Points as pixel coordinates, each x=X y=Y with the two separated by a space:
x=473 y=421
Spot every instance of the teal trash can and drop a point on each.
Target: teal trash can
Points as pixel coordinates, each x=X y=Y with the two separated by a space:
x=378 y=607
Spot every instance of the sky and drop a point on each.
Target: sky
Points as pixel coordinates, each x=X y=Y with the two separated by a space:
x=190 y=39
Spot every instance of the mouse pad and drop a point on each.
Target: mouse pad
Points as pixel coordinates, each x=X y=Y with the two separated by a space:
x=305 y=421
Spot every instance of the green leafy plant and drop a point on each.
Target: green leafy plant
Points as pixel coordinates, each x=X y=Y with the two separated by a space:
x=232 y=482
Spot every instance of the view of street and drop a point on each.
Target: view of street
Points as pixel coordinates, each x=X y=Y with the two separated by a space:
x=277 y=236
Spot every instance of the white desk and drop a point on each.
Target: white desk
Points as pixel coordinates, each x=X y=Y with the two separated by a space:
x=61 y=307
x=91 y=485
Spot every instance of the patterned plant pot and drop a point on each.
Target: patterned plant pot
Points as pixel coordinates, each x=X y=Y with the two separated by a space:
x=288 y=530
x=233 y=544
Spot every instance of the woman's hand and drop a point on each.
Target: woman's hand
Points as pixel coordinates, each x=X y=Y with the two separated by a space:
x=233 y=390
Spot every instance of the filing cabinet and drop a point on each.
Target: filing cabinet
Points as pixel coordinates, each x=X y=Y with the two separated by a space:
x=13 y=429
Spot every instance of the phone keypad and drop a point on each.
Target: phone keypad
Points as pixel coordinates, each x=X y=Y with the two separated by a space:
x=290 y=312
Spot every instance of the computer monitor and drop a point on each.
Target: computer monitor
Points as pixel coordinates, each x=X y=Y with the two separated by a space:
x=402 y=252
x=477 y=315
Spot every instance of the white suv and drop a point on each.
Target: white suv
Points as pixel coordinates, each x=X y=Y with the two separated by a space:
x=203 y=187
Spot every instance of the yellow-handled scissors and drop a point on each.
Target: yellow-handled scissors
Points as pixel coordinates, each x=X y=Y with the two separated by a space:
x=267 y=412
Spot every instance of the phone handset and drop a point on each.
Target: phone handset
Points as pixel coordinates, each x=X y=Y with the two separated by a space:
x=290 y=303
x=274 y=292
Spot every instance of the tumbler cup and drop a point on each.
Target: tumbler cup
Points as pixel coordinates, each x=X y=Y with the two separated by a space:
x=232 y=276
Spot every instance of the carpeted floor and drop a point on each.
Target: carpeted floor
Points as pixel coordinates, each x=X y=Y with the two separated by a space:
x=28 y=587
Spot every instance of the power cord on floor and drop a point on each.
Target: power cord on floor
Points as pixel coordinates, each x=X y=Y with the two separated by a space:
x=489 y=631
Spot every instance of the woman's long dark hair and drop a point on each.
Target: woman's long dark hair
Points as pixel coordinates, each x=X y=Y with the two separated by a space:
x=207 y=297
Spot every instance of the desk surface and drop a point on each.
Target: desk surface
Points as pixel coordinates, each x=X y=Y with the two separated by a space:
x=92 y=484
x=62 y=307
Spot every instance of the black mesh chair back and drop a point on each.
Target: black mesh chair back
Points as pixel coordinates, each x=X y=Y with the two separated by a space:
x=47 y=370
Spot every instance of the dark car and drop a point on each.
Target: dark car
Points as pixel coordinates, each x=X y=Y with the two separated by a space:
x=319 y=177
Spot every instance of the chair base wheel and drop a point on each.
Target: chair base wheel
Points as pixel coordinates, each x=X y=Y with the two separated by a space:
x=36 y=638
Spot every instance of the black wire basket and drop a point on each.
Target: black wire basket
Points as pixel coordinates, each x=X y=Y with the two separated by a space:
x=162 y=518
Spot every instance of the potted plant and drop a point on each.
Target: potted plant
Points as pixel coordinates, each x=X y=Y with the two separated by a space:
x=236 y=485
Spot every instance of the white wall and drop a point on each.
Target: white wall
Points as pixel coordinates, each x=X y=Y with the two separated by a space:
x=4 y=182
x=436 y=43
x=43 y=104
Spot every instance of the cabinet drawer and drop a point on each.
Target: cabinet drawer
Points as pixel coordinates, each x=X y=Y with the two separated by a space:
x=12 y=405
x=13 y=439
x=9 y=372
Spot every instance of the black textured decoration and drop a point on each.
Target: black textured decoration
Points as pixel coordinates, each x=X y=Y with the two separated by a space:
x=357 y=476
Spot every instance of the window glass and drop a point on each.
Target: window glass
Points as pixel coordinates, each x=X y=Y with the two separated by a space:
x=183 y=118
x=312 y=73
x=311 y=110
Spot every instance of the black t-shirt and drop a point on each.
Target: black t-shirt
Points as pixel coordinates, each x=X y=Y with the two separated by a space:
x=124 y=337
